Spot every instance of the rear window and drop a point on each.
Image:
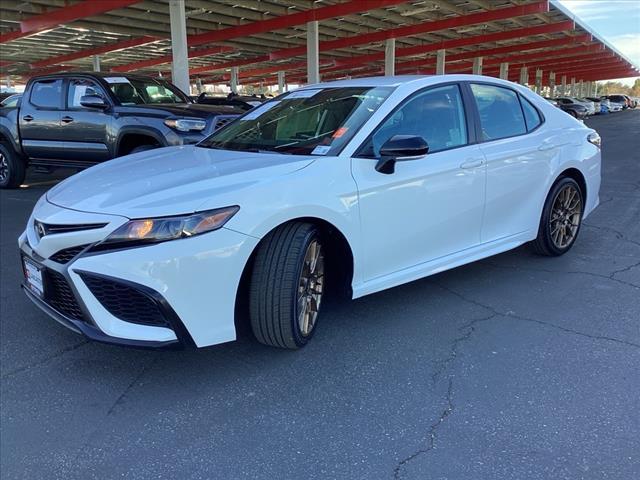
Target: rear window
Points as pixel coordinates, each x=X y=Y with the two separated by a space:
x=47 y=93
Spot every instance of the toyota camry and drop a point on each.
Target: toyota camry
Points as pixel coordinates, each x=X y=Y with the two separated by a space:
x=351 y=187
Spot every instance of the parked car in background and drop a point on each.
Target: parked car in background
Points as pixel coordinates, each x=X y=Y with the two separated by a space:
x=354 y=186
x=243 y=102
x=4 y=95
x=619 y=99
x=576 y=110
x=613 y=106
x=11 y=101
x=79 y=119
x=551 y=101
x=591 y=108
x=596 y=103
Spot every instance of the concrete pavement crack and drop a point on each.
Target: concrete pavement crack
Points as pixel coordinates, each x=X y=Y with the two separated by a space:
x=539 y=322
x=44 y=360
x=433 y=430
x=466 y=330
x=611 y=276
x=617 y=233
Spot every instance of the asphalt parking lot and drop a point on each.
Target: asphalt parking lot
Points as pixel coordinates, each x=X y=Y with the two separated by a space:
x=516 y=367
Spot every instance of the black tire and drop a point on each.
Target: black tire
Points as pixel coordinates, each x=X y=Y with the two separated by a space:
x=142 y=148
x=12 y=168
x=275 y=282
x=544 y=244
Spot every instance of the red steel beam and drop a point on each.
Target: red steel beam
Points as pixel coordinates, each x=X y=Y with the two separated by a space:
x=112 y=47
x=271 y=24
x=169 y=58
x=60 y=16
x=423 y=27
x=291 y=20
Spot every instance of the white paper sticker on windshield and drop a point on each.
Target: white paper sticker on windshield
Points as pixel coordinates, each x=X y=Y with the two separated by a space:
x=302 y=94
x=257 y=111
x=116 y=80
x=321 y=150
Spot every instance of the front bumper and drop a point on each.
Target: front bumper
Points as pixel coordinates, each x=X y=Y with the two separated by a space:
x=192 y=283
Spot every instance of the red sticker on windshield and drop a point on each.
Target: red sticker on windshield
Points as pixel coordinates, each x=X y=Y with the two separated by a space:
x=340 y=132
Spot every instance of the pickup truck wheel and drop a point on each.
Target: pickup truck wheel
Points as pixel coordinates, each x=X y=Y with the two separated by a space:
x=287 y=286
x=12 y=168
x=143 y=148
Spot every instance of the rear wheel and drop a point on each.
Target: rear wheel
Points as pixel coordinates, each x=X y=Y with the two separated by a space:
x=561 y=218
x=287 y=286
x=12 y=168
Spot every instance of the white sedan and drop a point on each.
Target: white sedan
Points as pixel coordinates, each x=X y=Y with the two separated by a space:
x=353 y=186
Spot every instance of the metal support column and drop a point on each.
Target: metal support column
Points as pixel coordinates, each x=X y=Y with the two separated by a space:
x=581 y=89
x=280 y=82
x=504 y=70
x=573 y=87
x=552 y=84
x=180 y=60
x=564 y=85
x=313 y=53
x=538 y=81
x=477 y=66
x=440 y=61
x=96 y=63
x=390 y=57
x=199 y=86
x=235 y=71
x=524 y=76
x=595 y=89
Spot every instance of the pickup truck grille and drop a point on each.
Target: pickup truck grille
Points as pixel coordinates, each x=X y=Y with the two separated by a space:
x=223 y=120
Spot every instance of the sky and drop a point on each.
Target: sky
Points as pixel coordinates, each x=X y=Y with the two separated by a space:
x=617 y=21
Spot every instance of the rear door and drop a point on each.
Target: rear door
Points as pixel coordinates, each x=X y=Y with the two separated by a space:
x=518 y=154
x=85 y=130
x=39 y=119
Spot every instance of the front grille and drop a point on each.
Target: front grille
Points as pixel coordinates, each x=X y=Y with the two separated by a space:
x=125 y=301
x=223 y=120
x=67 y=254
x=49 y=228
x=60 y=296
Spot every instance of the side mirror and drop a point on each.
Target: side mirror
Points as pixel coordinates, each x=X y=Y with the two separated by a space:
x=400 y=148
x=93 y=101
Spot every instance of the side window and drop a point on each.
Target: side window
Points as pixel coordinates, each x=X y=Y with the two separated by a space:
x=47 y=94
x=78 y=88
x=531 y=115
x=500 y=112
x=436 y=115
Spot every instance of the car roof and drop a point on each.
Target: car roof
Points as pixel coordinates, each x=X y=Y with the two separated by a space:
x=103 y=75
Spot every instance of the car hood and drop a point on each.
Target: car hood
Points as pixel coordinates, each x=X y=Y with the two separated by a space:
x=195 y=109
x=169 y=181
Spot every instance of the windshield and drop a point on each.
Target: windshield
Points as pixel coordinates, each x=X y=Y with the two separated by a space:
x=309 y=121
x=135 y=91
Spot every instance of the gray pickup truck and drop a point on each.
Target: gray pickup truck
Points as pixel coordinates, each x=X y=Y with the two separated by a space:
x=76 y=120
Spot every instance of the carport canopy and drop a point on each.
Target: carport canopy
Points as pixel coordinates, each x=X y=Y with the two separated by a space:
x=268 y=42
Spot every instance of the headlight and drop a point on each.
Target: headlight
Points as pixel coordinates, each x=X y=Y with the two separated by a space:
x=186 y=124
x=155 y=230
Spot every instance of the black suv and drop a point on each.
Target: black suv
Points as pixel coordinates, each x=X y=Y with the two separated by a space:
x=79 y=119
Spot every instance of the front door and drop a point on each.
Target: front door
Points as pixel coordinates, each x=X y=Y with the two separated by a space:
x=429 y=207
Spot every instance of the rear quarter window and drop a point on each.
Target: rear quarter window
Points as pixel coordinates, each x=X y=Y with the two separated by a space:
x=531 y=114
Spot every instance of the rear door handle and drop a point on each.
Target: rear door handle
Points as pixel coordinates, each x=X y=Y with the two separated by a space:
x=67 y=119
x=27 y=118
x=472 y=163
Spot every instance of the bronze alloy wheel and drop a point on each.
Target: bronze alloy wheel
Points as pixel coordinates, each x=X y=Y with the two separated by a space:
x=310 y=288
x=566 y=214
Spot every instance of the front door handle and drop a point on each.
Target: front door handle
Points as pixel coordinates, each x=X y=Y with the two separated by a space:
x=67 y=119
x=472 y=163
x=27 y=118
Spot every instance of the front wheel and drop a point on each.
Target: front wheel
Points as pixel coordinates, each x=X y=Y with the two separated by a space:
x=561 y=218
x=287 y=286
